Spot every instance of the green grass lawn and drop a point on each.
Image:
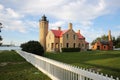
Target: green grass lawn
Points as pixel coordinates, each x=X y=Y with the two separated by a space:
x=107 y=62
x=14 y=67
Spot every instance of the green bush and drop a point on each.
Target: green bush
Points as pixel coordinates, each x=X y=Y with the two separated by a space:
x=33 y=47
x=70 y=49
x=89 y=49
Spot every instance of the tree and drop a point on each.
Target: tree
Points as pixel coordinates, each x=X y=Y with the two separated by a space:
x=0 y=35
x=103 y=37
x=116 y=42
x=33 y=47
x=0 y=40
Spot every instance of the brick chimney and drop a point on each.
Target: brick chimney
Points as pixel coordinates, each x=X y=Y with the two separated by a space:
x=70 y=25
x=109 y=35
x=59 y=28
x=78 y=31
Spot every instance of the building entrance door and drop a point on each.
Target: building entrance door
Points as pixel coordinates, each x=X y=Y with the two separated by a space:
x=98 y=47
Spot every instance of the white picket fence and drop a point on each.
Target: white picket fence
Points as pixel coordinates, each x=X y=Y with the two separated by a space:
x=61 y=71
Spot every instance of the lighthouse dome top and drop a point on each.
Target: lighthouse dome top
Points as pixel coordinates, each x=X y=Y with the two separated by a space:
x=44 y=18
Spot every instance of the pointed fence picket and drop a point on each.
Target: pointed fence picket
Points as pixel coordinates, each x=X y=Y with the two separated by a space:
x=61 y=71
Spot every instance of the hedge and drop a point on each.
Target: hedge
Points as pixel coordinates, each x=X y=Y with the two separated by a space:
x=70 y=49
x=33 y=47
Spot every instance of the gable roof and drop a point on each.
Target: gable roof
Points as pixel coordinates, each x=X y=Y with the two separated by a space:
x=57 y=33
x=104 y=42
x=63 y=32
x=80 y=36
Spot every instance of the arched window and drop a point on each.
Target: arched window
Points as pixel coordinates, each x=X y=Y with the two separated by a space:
x=67 y=45
x=74 y=45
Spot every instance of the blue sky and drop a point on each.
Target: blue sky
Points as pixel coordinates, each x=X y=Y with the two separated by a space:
x=94 y=18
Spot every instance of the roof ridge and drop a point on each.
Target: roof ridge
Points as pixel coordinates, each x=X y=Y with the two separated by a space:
x=58 y=33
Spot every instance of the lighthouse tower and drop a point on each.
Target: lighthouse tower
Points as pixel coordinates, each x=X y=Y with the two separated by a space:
x=43 y=23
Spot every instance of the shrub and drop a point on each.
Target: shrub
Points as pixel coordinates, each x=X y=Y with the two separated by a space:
x=12 y=50
x=33 y=47
x=89 y=49
x=70 y=49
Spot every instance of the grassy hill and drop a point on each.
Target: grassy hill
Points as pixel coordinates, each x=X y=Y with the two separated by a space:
x=14 y=67
x=107 y=62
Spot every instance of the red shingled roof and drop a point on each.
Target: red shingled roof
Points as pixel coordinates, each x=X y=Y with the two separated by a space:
x=63 y=32
x=58 y=33
x=80 y=36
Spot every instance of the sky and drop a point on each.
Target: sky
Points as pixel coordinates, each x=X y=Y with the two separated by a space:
x=20 y=18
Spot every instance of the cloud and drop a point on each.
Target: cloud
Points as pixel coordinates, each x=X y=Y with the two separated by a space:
x=15 y=26
x=82 y=12
x=1 y=7
x=78 y=10
x=14 y=21
x=31 y=25
x=11 y=19
x=113 y=4
x=56 y=24
x=10 y=12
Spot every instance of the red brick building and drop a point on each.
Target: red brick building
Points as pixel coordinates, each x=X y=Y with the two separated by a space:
x=104 y=44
